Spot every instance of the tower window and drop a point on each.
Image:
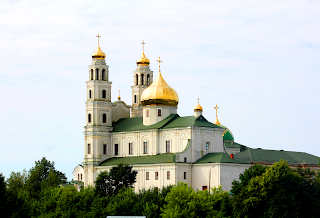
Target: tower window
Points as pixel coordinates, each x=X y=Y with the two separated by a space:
x=135 y=98
x=90 y=94
x=168 y=146
x=142 y=79
x=184 y=175
x=89 y=149
x=145 y=147
x=159 y=112
x=89 y=118
x=104 y=94
x=102 y=74
x=104 y=148
x=116 y=149
x=147 y=175
x=156 y=175
x=207 y=145
x=168 y=175
x=78 y=176
x=104 y=118
x=91 y=74
x=147 y=113
x=81 y=176
x=97 y=74
x=137 y=79
x=130 y=148
x=148 y=79
x=185 y=160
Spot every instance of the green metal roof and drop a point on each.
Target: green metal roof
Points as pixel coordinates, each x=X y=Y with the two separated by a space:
x=172 y=121
x=227 y=134
x=219 y=158
x=150 y=159
x=271 y=156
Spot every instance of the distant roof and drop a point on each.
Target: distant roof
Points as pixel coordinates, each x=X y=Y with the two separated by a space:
x=219 y=158
x=149 y=159
x=271 y=156
x=172 y=121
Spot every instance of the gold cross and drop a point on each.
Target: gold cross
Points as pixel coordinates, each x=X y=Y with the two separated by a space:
x=159 y=63
x=198 y=100
x=119 y=95
x=143 y=45
x=216 y=107
x=98 y=38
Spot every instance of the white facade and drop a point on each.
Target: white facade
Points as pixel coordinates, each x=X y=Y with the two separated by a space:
x=189 y=143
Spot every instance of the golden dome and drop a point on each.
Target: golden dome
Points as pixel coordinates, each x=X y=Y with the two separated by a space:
x=159 y=93
x=198 y=107
x=98 y=54
x=143 y=60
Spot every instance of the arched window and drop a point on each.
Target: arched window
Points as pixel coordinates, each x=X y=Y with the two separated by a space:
x=91 y=75
x=97 y=74
x=159 y=112
x=168 y=146
x=102 y=74
x=116 y=149
x=104 y=118
x=207 y=145
x=142 y=79
x=137 y=79
x=148 y=79
x=145 y=147
x=90 y=94
x=104 y=94
x=89 y=149
x=147 y=113
x=78 y=176
x=135 y=98
x=104 y=148
x=81 y=176
x=89 y=118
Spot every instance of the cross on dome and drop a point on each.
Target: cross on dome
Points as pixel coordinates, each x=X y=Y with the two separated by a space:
x=143 y=45
x=98 y=37
x=217 y=121
x=159 y=63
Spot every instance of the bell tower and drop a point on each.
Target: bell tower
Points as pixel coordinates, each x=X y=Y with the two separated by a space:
x=98 y=115
x=142 y=78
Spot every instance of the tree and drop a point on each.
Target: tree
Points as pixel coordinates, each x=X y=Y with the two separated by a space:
x=16 y=181
x=119 y=177
x=279 y=192
x=42 y=176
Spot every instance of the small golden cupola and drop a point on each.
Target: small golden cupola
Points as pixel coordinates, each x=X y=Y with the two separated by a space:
x=98 y=53
x=143 y=60
x=159 y=93
x=198 y=110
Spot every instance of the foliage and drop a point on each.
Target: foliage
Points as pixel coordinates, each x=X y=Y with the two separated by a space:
x=119 y=177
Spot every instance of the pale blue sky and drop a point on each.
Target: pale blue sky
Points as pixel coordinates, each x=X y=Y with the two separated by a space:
x=258 y=60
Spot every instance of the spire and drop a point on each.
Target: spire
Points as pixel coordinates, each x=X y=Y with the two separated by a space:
x=119 y=98
x=217 y=121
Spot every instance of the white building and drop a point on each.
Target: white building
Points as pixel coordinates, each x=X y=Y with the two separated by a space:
x=162 y=146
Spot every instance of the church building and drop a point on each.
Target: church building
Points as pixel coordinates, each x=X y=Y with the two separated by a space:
x=162 y=146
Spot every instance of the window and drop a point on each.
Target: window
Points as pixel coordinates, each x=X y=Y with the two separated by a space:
x=97 y=74
x=145 y=147
x=90 y=94
x=137 y=79
x=135 y=98
x=89 y=118
x=81 y=176
x=147 y=113
x=156 y=175
x=102 y=74
x=142 y=78
x=78 y=176
x=148 y=79
x=168 y=146
x=147 y=175
x=130 y=148
x=185 y=160
x=104 y=149
x=116 y=149
x=204 y=188
x=184 y=175
x=104 y=118
x=89 y=149
x=168 y=175
x=104 y=94
x=159 y=112
x=207 y=145
x=91 y=75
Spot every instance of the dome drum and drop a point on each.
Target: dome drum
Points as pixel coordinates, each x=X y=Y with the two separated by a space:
x=155 y=102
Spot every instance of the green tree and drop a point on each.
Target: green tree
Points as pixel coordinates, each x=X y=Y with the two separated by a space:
x=278 y=192
x=119 y=177
x=16 y=181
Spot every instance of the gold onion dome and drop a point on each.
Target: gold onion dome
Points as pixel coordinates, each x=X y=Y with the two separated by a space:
x=143 y=60
x=98 y=54
x=159 y=93
x=198 y=107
